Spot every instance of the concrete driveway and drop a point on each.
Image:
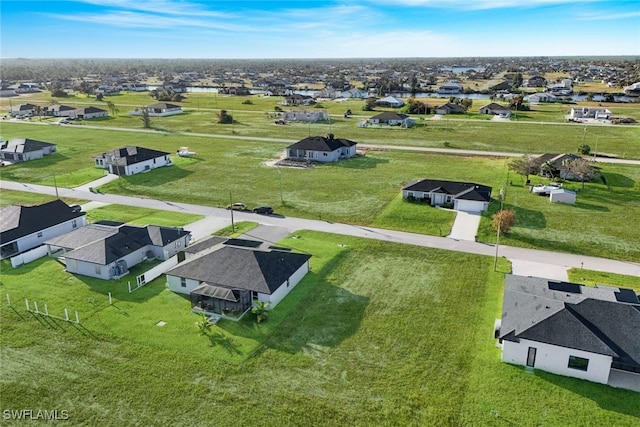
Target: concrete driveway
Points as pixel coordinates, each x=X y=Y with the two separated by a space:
x=465 y=227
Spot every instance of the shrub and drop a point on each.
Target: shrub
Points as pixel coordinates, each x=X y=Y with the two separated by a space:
x=505 y=219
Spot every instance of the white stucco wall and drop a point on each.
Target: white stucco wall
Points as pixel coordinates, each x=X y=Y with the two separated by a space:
x=555 y=359
x=173 y=283
x=286 y=287
x=142 y=166
x=32 y=240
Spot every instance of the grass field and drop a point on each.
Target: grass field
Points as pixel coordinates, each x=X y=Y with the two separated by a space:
x=542 y=129
x=376 y=334
x=363 y=190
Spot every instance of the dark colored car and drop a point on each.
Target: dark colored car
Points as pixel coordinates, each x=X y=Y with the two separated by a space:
x=266 y=210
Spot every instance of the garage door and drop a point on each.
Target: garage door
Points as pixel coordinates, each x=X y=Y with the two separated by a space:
x=468 y=205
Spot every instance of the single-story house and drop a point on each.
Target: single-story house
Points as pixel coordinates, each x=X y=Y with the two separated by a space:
x=90 y=113
x=570 y=329
x=390 y=101
x=23 y=110
x=61 y=111
x=26 y=227
x=535 y=81
x=24 y=149
x=632 y=90
x=390 y=118
x=562 y=196
x=463 y=196
x=450 y=89
x=502 y=87
x=496 y=110
x=225 y=281
x=108 y=251
x=298 y=99
x=590 y=113
x=536 y=98
x=131 y=160
x=449 y=108
x=559 y=162
x=306 y=116
x=7 y=90
x=322 y=149
x=159 y=109
x=354 y=93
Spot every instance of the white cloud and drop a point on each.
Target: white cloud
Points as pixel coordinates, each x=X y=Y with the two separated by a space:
x=164 y=7
x=481 y=4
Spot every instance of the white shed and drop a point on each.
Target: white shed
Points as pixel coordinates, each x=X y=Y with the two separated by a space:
x=562 y=196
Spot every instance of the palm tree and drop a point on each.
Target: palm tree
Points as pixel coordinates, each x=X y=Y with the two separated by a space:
x=204 y=326
x=260 y=310
x=549 y=169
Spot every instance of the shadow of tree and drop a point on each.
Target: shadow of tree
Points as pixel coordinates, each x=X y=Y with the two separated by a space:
x=591 y=207
x=224 y=341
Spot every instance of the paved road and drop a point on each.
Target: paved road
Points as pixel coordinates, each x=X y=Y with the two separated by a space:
x=364 y=146
x=217 y=217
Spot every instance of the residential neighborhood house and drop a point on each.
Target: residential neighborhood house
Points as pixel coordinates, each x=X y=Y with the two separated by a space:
x=159 y=109
x=322 y=149
x=306 y=116
x=107 y=251
x=389 y=118
x=24 y=149
x=390 y=101
x=570 y=329
x=555 y=165
x=26 y=227
x=461 y=196
x=496 y=110
x=225 y=279
x=450 y=88
x=90 y=113
x=131 y=160
x=590 y=113
x=449 y=108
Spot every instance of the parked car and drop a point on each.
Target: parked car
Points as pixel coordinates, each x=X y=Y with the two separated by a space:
x=237 y=207
x=265 y=210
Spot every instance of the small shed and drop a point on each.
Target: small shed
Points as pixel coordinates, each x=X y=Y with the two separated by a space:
x=562 y=196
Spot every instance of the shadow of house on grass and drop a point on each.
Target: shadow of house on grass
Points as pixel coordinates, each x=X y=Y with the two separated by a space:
x=606 y=397
x=359 y=162
x=324 y=317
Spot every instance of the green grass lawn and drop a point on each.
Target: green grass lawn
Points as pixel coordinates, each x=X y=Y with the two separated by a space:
x=376 y=334
x=362 y=190
x=141 y=216
x=10 y=197
x=597 y=225
x=591 y=278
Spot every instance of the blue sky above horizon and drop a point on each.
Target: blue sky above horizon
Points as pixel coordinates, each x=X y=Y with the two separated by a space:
x=317 y=29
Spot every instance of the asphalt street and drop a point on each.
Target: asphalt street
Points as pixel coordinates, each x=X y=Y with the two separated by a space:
x=215 y=218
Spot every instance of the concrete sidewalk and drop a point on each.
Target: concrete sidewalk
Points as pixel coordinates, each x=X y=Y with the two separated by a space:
x=97 y=183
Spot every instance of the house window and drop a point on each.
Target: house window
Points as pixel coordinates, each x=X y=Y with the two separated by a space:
x=449 y=199
x=39 y=234
x=578 y=363
x=324 y=154
x=183 y=282
x=98 y=269
x=531 y=357
x=74 y=223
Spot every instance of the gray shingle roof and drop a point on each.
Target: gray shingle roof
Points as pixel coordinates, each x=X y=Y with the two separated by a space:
x=19 y=221
x=111 y=246
x=460 y=190
x=321 y=143
x=130 y=155
x=24 y=145
x=242 y=268
x=573 y=316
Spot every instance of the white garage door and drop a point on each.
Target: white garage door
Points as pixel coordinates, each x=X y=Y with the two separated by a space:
x=469 y=205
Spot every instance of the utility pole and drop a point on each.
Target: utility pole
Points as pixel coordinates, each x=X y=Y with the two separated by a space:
x=55 y=184
x=495 y=261
x=280 y=177
x=233 y=225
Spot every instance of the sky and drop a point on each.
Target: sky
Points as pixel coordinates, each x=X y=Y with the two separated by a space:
x=317 y=29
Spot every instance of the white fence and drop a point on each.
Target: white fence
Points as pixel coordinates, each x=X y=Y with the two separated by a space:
x=27 y=257
x=154 y=272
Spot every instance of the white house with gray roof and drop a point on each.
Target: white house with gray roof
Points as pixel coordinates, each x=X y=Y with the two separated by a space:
x=107 y=251
x=130 y=160
x=572 y=330
x=225 y=278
